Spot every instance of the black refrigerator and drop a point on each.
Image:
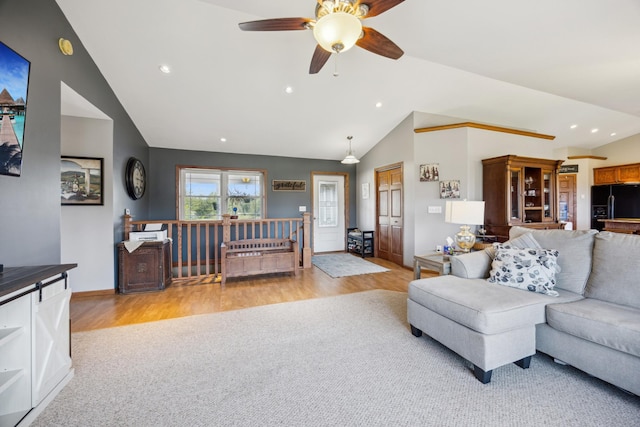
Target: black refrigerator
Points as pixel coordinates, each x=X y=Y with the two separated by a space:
x=614 y=201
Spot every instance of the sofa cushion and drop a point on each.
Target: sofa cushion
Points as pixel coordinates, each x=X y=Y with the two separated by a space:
x=574 y=254
x=615 y=275
x=474 y=265
x=529 y=269
x=477 y=265
x=525 y=240
x=601 y=322
x=482 y=306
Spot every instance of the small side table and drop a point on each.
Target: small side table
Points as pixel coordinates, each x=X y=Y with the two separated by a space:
x=434 y=261
x=147 y=268
x=360 y=242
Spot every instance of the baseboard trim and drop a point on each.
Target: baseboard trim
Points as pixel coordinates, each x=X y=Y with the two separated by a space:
x=103 y=292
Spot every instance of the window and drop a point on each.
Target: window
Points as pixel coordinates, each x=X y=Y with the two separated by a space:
x=208 y=193
x=328 y=200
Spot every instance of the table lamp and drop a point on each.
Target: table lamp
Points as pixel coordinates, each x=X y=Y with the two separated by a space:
x=465 y=213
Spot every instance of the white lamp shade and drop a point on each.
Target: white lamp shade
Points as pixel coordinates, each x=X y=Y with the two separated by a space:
x=350 y=159
x=464 y=212
x=337 y=28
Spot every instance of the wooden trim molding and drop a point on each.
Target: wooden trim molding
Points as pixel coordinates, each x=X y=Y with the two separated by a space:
x=83 y=294
x=586 y=157
x=485 y=127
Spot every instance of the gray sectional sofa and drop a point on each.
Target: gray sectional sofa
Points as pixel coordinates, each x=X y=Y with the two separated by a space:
x=584 y=312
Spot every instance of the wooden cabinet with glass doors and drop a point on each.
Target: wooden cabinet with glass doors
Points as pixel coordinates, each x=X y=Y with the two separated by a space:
x=520 y=191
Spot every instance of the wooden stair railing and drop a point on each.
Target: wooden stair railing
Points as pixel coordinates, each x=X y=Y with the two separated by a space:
x=196 y=244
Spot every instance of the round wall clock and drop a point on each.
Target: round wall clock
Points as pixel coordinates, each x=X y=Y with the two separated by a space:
x=135 y=178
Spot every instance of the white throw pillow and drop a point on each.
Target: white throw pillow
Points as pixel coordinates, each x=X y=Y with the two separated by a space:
x=531 y=269
x=523 y=241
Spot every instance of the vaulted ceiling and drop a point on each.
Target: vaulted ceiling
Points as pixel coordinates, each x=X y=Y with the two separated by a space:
x=539 y=66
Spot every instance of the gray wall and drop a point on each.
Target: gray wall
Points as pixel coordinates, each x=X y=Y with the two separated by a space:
x=162 y=179
x=30 y=204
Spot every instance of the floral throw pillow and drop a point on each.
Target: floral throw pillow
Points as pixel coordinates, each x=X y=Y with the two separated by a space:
x=531 y=269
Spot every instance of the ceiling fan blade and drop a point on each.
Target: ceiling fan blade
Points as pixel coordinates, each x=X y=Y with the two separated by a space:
x=376 y=7
x=320 y=57
x=377 y=43
x=277 y=24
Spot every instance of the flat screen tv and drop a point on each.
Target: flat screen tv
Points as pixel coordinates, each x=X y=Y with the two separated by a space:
x=14 y=84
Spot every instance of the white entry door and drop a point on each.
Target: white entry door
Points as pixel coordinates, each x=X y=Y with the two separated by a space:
x=328 y=213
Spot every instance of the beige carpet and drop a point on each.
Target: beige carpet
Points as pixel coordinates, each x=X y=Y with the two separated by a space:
x=339 y=361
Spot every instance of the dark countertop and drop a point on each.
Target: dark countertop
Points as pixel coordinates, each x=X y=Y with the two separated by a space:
x=13 y=279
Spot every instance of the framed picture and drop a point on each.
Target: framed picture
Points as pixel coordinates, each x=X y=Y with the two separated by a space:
x=365 y=190
x=288 y=185
x=14 y=84
x=450 y=189
x=429 y=172
x=81 y=181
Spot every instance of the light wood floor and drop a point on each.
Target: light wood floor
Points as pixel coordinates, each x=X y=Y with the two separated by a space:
x=189 y=297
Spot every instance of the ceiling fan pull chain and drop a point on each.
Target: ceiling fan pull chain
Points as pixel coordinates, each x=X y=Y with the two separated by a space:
x=335 y=66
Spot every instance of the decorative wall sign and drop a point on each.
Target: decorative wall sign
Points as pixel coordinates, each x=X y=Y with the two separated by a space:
x=450 y=189
x=288 y=185
x=429 y=172
x=568 y=169
x=81 y=181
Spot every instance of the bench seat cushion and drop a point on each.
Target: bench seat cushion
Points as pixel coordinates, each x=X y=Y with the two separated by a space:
x=611 y=325
x=481 y=306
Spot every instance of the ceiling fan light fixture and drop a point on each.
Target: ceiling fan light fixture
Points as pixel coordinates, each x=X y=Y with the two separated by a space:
x=337 y=32
x=350 y=158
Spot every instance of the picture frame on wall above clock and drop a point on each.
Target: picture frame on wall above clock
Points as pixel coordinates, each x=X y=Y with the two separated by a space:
x=135 y=178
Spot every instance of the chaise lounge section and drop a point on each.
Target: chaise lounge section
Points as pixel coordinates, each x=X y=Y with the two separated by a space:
x=592 y=324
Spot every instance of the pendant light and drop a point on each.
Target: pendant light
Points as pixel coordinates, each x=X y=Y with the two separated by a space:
x=350 y=159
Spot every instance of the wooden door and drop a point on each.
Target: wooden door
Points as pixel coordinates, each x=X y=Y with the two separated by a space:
x=567 y=199
x=390 y=213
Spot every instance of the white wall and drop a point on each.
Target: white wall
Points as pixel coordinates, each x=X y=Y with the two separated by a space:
x=459 y=153
x=620 y=152
x=449 y=149
x=87 y=231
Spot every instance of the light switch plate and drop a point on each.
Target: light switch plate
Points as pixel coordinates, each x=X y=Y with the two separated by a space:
x=435 y=209
x=302 y=208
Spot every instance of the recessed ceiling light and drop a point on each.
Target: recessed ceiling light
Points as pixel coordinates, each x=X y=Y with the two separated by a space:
x=223 y=139
x=594 y=130
x=288 y=89
x=613 y=134
x=378 y=104
x=574 y=126
x=165 y=69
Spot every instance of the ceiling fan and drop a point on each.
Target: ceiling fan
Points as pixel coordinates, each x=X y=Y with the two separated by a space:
x=337 y=28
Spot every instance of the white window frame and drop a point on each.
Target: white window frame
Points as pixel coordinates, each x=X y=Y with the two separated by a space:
x=224 y=196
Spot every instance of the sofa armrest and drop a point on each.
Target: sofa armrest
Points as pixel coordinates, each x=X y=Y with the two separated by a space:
x=474 y=265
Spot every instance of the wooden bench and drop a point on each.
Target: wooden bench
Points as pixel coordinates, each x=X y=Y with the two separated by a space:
x=240 y=258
